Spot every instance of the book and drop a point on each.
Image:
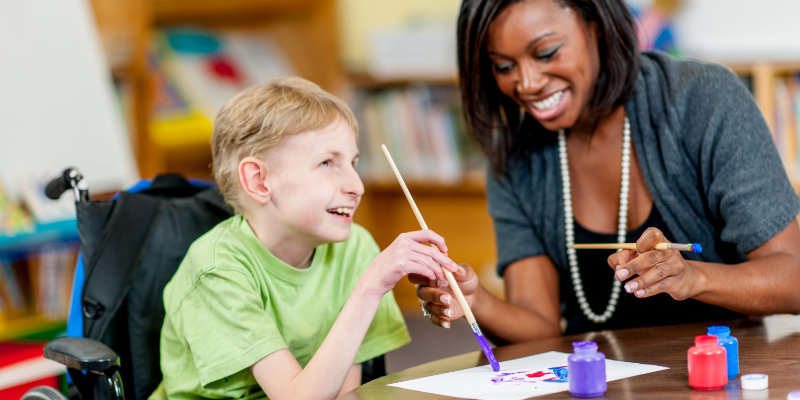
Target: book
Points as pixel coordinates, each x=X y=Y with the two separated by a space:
x=23 y=367
x=422 y=126
x=196 y=71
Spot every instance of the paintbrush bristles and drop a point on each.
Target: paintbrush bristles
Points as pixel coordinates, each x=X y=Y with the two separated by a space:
x=447 y=274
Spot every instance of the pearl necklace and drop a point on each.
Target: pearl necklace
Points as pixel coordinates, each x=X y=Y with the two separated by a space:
x=570 y=229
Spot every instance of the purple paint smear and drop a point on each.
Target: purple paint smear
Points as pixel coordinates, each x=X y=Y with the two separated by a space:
x=487 y=351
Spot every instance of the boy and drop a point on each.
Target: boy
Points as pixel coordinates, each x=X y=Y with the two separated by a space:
x=277 y=300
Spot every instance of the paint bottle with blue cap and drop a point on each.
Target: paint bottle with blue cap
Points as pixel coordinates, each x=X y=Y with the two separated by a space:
x=586 y=369
x=731 y=345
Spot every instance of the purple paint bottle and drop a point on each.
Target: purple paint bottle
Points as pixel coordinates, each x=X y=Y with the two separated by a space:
x=586 y=370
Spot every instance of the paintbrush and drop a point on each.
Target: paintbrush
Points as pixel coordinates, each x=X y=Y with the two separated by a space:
x=450 y=279
x=695 y=247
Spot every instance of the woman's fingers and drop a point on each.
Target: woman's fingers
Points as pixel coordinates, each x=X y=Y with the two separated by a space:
x=659 y=279
x=428 y=294
x=645 y=261
x=440 y=321
x=437 y=310
x=649 y=239
x=424 y=281
x=621 y=258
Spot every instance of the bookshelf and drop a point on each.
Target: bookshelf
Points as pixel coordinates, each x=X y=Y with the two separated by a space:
x=776 y=90
x=307 y=31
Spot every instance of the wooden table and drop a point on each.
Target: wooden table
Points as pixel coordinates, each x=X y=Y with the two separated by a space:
x=770 y=345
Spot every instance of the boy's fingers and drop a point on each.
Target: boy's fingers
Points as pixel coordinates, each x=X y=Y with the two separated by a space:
x=420 y=269
x=428 y=236
x=429 y=264
x=437 y=257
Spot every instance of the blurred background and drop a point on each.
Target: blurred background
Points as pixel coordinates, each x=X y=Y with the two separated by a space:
x=126 y=89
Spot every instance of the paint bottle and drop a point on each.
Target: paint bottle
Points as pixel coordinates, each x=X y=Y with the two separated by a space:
x=586 y=370
x=731 y=345
x=707 y=362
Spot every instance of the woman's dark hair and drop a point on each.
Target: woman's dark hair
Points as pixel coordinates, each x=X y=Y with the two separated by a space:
x=499 y=133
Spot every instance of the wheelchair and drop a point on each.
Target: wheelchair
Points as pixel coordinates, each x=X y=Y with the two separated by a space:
x=130 y=246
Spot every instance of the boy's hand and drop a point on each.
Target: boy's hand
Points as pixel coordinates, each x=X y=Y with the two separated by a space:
x=408 y=255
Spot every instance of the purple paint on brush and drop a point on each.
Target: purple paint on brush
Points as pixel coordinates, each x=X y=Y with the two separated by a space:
x=487 y=350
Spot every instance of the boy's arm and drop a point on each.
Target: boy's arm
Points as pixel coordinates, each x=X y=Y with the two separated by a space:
x=281 y=376
x=279 y=373
x=353 y=379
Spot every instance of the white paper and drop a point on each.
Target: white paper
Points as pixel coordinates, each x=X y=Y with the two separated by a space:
x=518 y=379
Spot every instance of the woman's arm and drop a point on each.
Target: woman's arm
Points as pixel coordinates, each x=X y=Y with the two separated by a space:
x=765 y=284
x=530 y=312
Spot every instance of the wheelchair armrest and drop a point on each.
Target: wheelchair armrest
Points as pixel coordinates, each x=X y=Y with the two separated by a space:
x=82 y=354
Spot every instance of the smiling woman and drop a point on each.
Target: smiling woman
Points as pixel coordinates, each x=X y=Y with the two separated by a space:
x=589 y=140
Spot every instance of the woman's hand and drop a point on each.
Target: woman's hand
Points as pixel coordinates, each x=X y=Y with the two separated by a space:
x=408 y=255
x=660 y=271
x=437 y=296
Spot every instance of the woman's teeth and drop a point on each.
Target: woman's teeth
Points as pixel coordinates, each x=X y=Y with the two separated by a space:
x=549 y=102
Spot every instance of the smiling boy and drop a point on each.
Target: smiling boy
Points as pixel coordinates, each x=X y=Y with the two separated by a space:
x=288 y=297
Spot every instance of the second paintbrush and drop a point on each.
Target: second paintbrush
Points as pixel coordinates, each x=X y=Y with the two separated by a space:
x=695 y=247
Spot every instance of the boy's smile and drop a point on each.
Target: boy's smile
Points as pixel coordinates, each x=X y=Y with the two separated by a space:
x=314 y=186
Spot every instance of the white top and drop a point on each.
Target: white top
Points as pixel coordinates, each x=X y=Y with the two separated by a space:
x=755 y=381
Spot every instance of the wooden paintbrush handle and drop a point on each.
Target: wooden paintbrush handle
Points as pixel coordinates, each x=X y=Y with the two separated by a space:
x=447 y=274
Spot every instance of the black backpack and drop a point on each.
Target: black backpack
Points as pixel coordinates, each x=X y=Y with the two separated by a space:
x=131 y=248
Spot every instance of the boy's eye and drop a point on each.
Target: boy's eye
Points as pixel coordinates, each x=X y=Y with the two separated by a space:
x=545 y=55
x=502 y=68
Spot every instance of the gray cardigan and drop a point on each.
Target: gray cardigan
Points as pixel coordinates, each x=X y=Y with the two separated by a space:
x=707 y=157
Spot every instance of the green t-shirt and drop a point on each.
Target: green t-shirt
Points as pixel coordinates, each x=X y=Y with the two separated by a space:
x=232 y=302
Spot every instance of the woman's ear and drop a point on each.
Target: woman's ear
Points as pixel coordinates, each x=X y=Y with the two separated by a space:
x=252 y=177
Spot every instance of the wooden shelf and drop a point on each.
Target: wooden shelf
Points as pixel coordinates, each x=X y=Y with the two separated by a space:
x=466 y=187
x=61 y=231
x=176 y=11
x=21 y=327
x=369 y=82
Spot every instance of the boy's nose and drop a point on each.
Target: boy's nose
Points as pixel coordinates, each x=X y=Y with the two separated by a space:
x=352 y=184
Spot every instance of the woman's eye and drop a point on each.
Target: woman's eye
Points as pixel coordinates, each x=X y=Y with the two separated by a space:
x=326 y=163
x=502 y=67
x=545 y=55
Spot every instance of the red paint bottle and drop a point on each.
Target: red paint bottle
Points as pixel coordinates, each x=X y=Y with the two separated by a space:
x=708 y=368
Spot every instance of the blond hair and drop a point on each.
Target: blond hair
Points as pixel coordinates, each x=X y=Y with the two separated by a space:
x=255 y=121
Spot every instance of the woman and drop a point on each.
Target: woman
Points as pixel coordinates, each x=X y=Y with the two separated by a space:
x=590 y=141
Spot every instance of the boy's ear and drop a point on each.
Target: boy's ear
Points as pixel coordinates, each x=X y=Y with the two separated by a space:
x=252 y=177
